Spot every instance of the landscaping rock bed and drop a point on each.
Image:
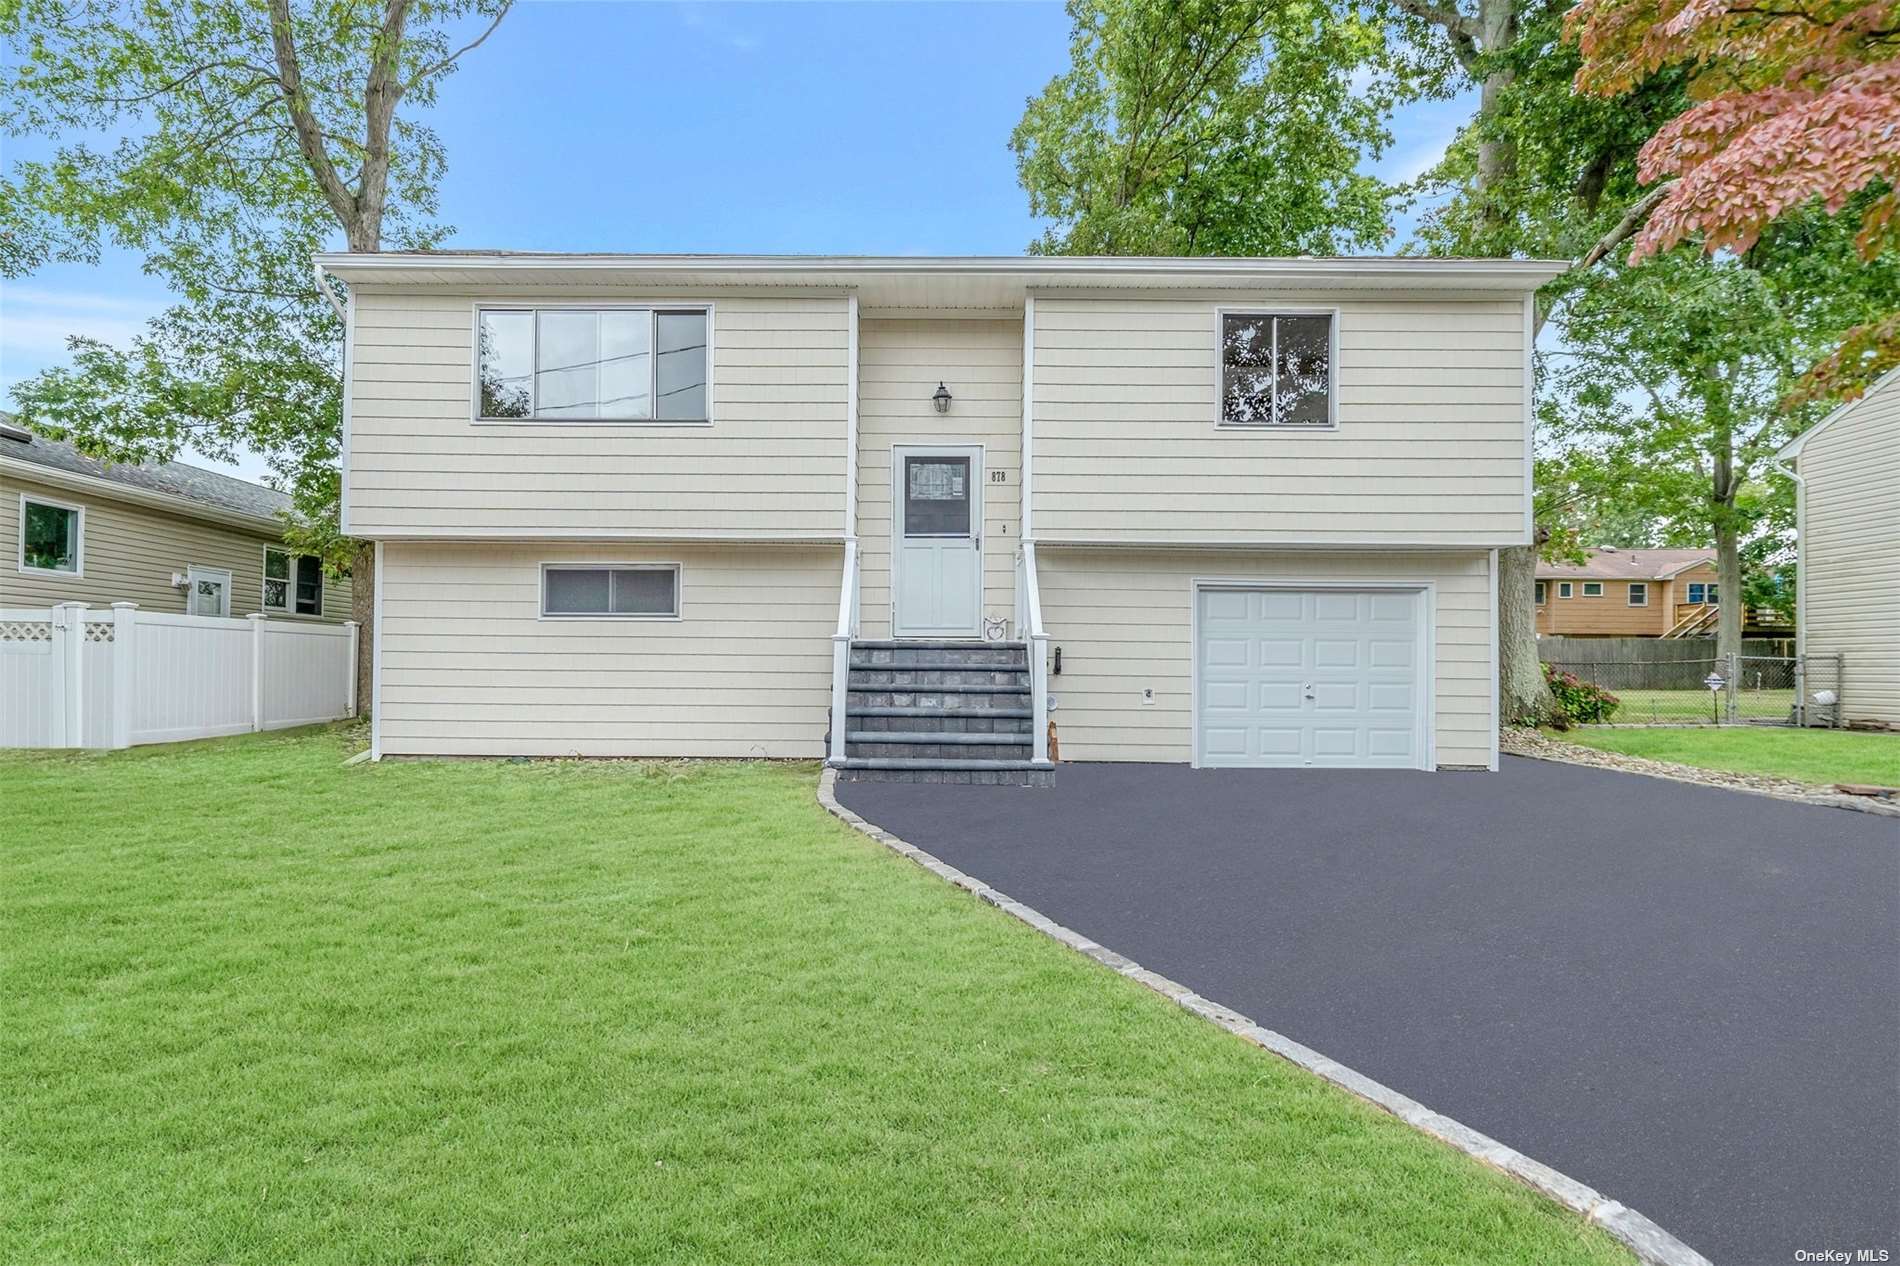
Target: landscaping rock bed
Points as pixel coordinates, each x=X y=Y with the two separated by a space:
x=1541 y=746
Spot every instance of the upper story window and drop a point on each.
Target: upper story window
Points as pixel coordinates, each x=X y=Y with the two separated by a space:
x=293 y=583
x=52 y=537
x=1277 y=369
x=1639 y=595
x=592 y=364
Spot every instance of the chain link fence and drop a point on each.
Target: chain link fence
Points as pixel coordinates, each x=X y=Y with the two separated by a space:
x=1714 y=690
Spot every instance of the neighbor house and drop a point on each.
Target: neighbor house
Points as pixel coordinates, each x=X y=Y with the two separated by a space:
x=1629 y=593
x=167 y=536
x=1847 y=519
x=914 y=513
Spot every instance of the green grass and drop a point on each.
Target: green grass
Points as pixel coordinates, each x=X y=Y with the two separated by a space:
x=1816 y=756
x=265 y=1009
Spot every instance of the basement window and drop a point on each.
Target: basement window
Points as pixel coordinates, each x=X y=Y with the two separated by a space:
x=644 y=591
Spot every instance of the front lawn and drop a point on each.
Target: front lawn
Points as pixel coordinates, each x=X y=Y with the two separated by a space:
x=264 y=1009
x=1815 y=756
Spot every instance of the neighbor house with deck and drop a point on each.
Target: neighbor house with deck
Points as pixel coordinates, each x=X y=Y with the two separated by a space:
x=1846 y=470
x=1629 y=593
x=167 y=536
x=921 y=515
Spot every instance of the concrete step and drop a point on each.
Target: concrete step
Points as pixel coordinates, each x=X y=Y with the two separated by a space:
x=940 y=723
x=949 y=680
x=1020 y=773
x=931 y=754
x=880 y=710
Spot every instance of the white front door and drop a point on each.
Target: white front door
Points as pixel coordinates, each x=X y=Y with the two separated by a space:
x=207 y=591
x=1310 y=677
x=937 y=550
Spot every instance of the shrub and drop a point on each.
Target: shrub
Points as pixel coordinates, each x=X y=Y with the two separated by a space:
x=1582 y=702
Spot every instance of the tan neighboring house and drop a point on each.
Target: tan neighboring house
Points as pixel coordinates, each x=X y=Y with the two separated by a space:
x=910 y=514
x=167 y=536
x=1628 y=593
x=1847 y=520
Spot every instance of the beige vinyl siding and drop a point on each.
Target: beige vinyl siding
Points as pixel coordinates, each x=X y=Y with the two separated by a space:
x=1850 y=552
x=771 y=463
x=1124 y=622
x=470 y=668
x=900 y=364
x=130 y=552
x=1430 y=446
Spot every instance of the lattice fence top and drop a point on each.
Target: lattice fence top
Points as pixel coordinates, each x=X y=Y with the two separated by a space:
x=26 y=631
x=98 y=632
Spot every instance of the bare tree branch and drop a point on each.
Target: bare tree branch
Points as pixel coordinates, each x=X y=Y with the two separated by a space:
x=429 y=71
x=1632 y=220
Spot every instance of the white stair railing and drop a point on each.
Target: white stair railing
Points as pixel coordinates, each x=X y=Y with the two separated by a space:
x=1029 y=607
x=847 y=629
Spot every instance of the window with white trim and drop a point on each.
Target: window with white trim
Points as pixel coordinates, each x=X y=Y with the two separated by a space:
x=1542 y=592
x=293 y=583
x=1277 y=369
x=1700 y=593
x=1593 y=588
x=52 y=537
x=1639 y=593
x=643 y=591
x=592 y=364
x=1563 y=589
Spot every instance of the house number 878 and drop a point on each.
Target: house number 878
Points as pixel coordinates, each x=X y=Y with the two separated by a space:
x=999 y=476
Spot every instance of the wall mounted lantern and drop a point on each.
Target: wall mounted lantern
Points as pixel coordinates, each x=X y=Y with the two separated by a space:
x=941 y=399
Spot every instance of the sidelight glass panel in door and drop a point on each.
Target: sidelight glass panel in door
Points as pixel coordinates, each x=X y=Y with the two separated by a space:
x=936 y=496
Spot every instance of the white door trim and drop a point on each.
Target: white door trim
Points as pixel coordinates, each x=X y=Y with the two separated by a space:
x=1427 y=724
x=979 y=464
x=220 y=574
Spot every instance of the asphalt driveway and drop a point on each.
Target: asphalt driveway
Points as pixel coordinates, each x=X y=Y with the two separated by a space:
x=1688 y=998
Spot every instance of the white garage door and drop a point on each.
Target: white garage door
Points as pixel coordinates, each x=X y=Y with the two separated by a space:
x=1324 y=677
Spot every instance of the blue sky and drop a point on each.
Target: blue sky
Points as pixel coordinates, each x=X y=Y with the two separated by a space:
x=857 y=128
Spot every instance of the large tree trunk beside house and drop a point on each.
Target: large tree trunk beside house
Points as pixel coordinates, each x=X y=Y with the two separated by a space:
x=1728 y=574
x=1523 y=697
x=363 y=582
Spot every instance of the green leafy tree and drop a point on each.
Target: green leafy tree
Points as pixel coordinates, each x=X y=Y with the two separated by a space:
x=1675 y=380
x=1210 y=127
x=225 y=141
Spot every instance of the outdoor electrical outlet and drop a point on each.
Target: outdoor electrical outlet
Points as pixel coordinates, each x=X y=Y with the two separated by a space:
x=1147 y=696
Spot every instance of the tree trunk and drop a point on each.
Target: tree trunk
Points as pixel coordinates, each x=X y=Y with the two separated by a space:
x=363 y=582
x=1728 y=573
x=1523 y=697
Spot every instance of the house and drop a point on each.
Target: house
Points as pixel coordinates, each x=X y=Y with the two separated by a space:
x=1629 y=593
x=167 y=536
x=1846 y=470
x=912 y=514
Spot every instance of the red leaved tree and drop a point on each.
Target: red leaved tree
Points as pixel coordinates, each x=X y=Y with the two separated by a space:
x=1795 y=101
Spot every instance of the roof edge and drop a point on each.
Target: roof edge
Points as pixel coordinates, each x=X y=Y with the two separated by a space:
x=1793 y=447
x=175 y=503
x=1533 y=272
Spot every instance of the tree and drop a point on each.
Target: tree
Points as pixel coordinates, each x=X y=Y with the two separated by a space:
x=226 y=141
x=1673 y=379
x=1793 y=105
x=1209 y=127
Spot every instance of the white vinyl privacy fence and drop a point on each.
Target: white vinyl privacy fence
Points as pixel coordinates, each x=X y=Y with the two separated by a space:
x=73 y=676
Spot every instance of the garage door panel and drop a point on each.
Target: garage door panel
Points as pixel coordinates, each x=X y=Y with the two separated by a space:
x=1384 y=653
x=1309 y=677
x=1335 y=653
x=1279 y=696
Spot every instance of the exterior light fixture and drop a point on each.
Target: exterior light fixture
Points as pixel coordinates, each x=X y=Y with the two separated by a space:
x=941 y=399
